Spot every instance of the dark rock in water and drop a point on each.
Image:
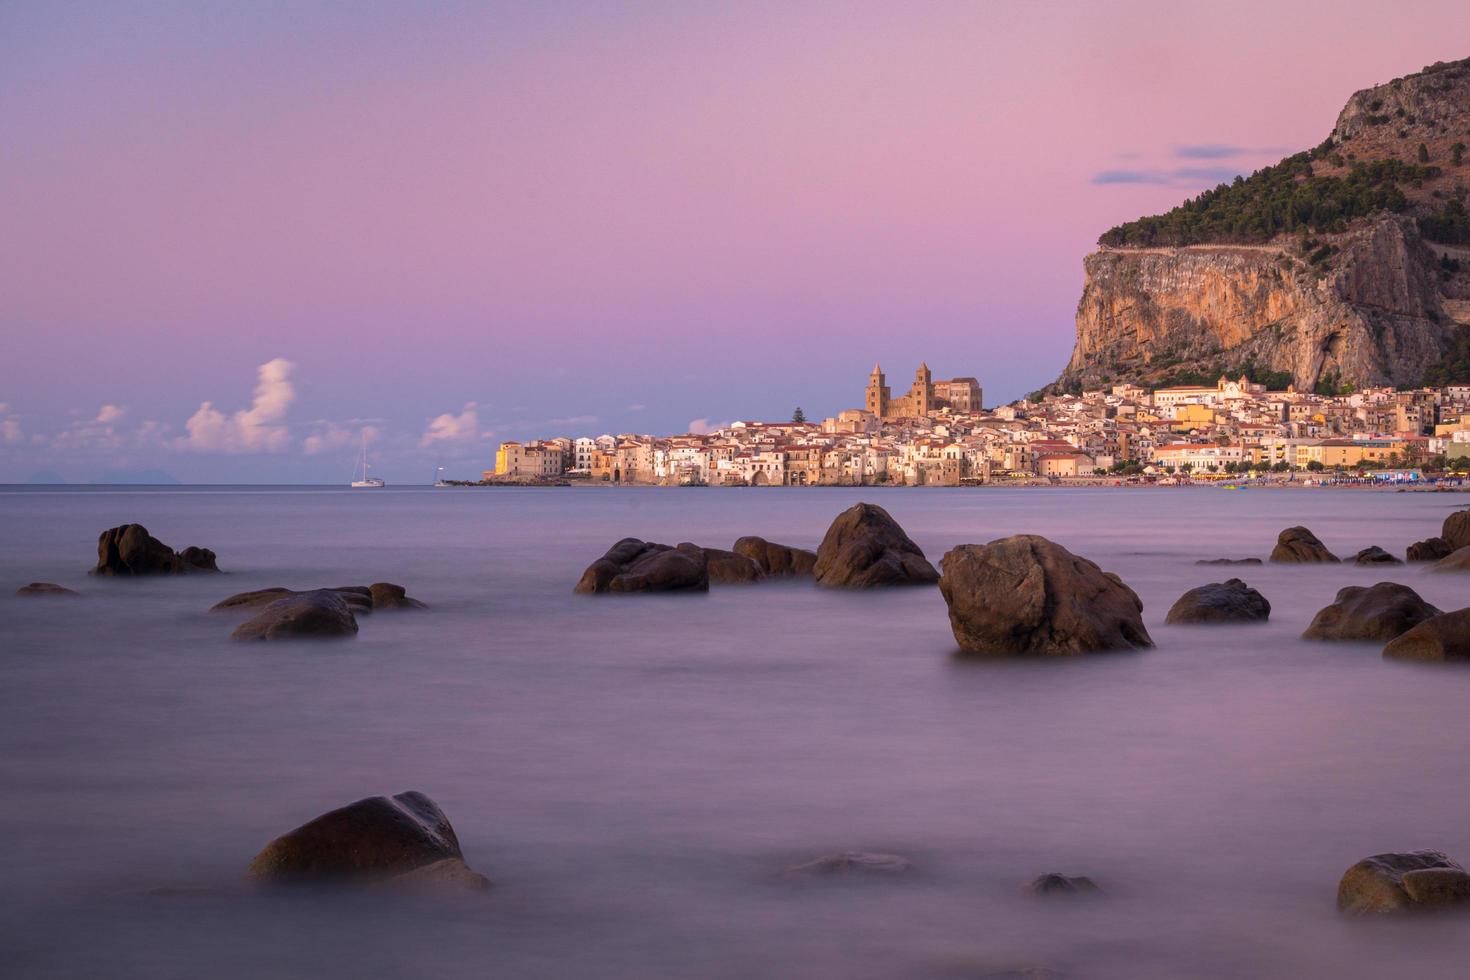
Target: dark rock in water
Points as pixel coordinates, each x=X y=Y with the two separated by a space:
x=632 y=565
x=1060 y=884
x=386 y=595
x=1027 y=595
x=1456 y=530
x=1456 y=561
x=1380 y=612
x=1374 y=555
x=323 y=614
x=851 y=863
x=777 y=560
x=404 y=840
x=726 y=567
x=1297 y=544
x=1228 y=561
x=1444 y=637
x=1231 y=601
x=130 y=550
x=45 y=588
x=358 y=598
x=1430 y=549
x=865 y=548
x=1407 y=882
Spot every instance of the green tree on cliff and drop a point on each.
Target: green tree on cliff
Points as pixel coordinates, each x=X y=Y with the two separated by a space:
x=1423 y=153
x=798 y=415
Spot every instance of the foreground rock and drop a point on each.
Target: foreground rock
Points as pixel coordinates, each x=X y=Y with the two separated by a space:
x=46 y=589
x=1456 y=530
x=130 y=550
x=1231 y=601
x=1060 y=884
x=851 y=863
x=403 y=841
x=1027 y=595
x=1297 y=544
x=1228 y=561
x=1374 y=555
x=323 y=614
x=1444 y=637
x=726 y=567
x=1456 y=561
x=1406 y=882
x=865 y=548
x=1430 y=549
x=1380 y=612
x=777 y=560
x=632 y=565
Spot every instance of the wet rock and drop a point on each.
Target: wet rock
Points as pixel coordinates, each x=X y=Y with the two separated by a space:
x=1456 y=561
x=851 y=863
x=1297 y=544
x=1231 y=601
x=726 y=567
x=387 y=596
x=1374 y=555
x=1456 y=530
x=632 y=565
x=1404 y=882
x=1060 y=884
x=777 y=560
x=130 y=550
x=1442 y=638
x=358 y=598
x=865 y=548
x=406 y=840
x=323 y=614
x=45 y=589
x=1379 y=612
x=1228 y=561
x=1430 y=549
x=1027 y=595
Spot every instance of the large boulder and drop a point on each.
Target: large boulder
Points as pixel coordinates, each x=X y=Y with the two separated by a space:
x=1430 y=549
x=322 y=614
x=865 y=547
x=1406 y=882
x=1379 y=612
x=45 y=589
x=1456 y=561
x=1297 y=544
x=358 y=598
x=1231 y=601
x=1374 y=555
x=1027 y=595
x=405 y=840
x=632 y=565
x=130 y=550
x=776 y=560
x=726 y=567
x=1443 y=637
x=1456 y=530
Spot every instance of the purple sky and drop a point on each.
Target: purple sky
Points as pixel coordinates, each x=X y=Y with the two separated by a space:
x=463 y=222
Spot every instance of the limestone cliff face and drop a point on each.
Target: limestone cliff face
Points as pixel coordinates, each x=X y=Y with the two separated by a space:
x=1373 y=317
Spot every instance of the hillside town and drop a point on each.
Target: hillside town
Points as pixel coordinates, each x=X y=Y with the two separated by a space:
x=937 y=434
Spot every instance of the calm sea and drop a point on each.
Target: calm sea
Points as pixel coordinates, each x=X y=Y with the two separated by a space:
x=633 y=771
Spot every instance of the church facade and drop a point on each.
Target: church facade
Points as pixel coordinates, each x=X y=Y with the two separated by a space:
x=925 y=396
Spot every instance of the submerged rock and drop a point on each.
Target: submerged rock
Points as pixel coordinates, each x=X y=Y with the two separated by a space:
x=1228 y=561
x=406 y=840
x=1379 y=612
x=726 y=567
x=865 y=547
x=1060 y=884
x=1297 y=544
x=777 y=560
x=1442 y=637
x=45 y=589
x=1430 y=549
x=1374 y=555
x=387 y=596
x=1456 y=561
x=130 y=550
x=1231 y=601
x=359 y=600
x=1456 y=530
x=323 y=614
x=851 y=863
x=1027 y=595
x=632 y=565
x=1404 y=882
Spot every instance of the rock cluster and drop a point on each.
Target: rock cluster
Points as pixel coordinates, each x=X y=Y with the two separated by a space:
x=1231 y=601
x=632 y=565
x=1379 y=612
x=1298 y=544
x=865 y=547
x=130 y=550
x=1403 y=882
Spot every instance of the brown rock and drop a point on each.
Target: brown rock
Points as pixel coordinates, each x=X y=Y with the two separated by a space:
x=322 y=614
x=1027 y=595
x=1375 y=555
x=1445 y=637
x=1376 y=885
x=1380 y=612
x=777 y=560
x=1297 y=544
x=1231 y=601
x=1430 y=549
x=725 y=567
x=1456 y=561
x=130 y=550
x=632 y=565
x=1456 y=530
x=865 y=548
x=1060 y=884
x=44 y=589
x=386 y=595
x=358 y=598
x=1228 y=561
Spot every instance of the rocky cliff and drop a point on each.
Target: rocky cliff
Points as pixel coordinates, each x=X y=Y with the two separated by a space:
x=1346 y=264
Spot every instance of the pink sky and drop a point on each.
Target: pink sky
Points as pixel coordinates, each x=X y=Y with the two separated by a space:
x=593 y=217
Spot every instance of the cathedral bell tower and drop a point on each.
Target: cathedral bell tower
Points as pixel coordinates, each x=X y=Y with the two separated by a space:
x=877 y=400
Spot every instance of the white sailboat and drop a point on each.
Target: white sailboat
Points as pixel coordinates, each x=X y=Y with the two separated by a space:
x=439 y=478
x=362 y=464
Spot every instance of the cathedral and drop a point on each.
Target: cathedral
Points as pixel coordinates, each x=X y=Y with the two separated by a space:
x=925 y=397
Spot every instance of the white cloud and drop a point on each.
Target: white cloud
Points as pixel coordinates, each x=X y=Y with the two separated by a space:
x=335 y=437
x=703 y=427
x=109 y=414
x=252 y=430
x=450 y=428
x=10 y=431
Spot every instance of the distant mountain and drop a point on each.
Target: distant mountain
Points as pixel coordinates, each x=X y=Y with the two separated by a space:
x=156 y=478
x=1348 y=264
